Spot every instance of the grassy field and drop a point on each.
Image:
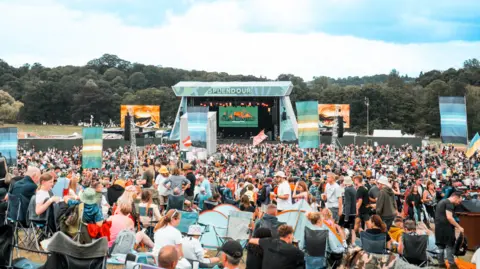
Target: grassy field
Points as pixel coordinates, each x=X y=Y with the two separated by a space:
x=43 y=130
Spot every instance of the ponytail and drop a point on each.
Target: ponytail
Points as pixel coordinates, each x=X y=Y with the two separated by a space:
x=172 y=214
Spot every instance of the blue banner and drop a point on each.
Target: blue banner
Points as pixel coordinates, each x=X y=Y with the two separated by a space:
x=9 y=144
x=453 y=120
x=197 y=125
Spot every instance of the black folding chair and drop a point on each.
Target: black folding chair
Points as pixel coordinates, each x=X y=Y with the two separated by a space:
x=316 y=247
x=175 y=202
x=38 y=224
x=415 y=249
x=374 y=243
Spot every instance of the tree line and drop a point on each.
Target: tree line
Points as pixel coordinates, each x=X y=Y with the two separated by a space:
x=70 y=94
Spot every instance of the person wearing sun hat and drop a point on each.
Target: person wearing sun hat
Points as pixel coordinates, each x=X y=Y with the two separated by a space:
x=192 y=248
x=162 y=191
x=92 y=214
x=386 y=206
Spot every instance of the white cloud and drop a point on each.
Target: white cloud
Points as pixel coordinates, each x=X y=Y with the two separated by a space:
x=210 y=37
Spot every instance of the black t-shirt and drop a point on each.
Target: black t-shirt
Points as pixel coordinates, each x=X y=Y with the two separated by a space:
x=279 y=254
x=362 y=193
x=247 y=209
x=415 y=198
x=148 y=176
x=191 y=177
x=441 y=212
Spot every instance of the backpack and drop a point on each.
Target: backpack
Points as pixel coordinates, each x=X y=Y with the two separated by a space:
x=70 y=221
x=461 y=245
x=124 y=243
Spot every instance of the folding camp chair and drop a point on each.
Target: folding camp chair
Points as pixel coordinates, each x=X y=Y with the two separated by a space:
x=373 y=243
x=143 y=212
x=175 y=202
x=209 y=205
x=238 y=228
x=17 y=215
x=315 y=248
x=415 y=249
x=67 y=254
x=38 y=225
x=187 y=219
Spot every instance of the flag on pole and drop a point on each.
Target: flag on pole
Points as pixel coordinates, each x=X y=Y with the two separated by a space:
x=473 y=146
x=187 y=142
x=259 y=138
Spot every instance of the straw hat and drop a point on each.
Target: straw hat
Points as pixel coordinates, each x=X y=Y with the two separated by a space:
x=88 y=196
x=163 y=170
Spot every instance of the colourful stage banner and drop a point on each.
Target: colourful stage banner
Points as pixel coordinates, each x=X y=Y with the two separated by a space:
x=307 y=117
x=453 y=120
x=197 y=125
x=473 y=146
x=9 y=144
x=92 y=147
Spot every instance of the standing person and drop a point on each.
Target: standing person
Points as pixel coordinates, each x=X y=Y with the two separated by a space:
x=414 y=206
x=191 y=177
x=429 y=199
x=176 y=183
x=284 y=192
x=333 y=196
x=386 y=207
x=162 y=190
x=347 y=219
x=362 y=197
x=445 y=225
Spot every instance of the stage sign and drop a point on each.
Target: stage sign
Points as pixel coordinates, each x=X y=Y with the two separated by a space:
x=453 y=119
x=233 y=89
x=9 y=144
x=144 y=116
x=237 y=116
x=326 y=113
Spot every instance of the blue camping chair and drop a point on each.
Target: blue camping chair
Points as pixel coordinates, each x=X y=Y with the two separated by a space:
x=187 y=219
x=374 y=243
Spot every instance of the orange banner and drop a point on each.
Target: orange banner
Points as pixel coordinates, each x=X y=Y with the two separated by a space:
x=143 y=116
x=326 y=113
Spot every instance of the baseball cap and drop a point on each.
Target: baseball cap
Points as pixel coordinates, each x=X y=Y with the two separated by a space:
x=233 y=248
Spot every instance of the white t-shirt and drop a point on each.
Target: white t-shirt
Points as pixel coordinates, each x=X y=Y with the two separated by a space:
x=333 y=192
x=284 y=188
x=166 y=236
x=193 y=250
x=41 y=196
x=159 y=181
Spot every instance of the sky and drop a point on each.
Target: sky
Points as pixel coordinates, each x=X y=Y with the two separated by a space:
x=336 y=38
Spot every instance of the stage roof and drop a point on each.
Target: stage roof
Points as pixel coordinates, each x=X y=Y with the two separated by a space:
x=233 y=89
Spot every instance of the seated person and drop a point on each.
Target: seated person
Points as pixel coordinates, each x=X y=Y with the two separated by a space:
x=121 y=222
x=146 y=205
x=168 y=257
x=192 y=248
x=43 y=200
x=377 y=226
x=246 y=204
x=91 y=212
x=269 y=220
x=231 y=254
x=279 y=252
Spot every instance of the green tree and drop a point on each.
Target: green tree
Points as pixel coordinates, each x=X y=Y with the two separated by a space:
x=9 y=108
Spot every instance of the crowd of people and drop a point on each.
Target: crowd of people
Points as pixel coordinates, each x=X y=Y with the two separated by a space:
x=357 y=189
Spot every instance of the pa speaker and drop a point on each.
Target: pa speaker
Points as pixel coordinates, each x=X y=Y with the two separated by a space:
x=126 y=129
x=284 y=116
x=340 y=126
x=3 y=168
